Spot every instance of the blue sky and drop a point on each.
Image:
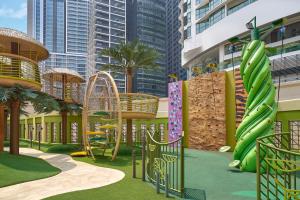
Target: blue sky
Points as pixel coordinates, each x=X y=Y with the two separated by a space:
x=13 y=14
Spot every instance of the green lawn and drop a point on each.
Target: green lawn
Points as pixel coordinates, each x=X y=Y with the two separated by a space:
x=18 y=169
x=127 y=189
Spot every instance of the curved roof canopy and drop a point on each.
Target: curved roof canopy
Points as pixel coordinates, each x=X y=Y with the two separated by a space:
x=28 y=46
x=57 y=73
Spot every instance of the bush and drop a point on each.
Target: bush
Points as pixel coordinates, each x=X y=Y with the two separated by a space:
x=127 y=151
x=64 y=148
x=6 y=143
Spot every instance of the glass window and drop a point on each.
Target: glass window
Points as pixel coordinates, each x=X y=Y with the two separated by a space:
x=217 y=16
x=187 y=33
x=187 y=18
x=200 y=27
x=201 y=11
x=214 y=3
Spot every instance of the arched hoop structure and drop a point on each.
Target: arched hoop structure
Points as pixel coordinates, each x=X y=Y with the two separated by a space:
x=101 y=106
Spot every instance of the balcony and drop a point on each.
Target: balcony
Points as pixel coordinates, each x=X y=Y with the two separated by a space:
x=19 y=57
x=17 y=69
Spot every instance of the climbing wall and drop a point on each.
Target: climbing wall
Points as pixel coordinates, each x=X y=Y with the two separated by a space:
x=206 y=98
x=240 y=96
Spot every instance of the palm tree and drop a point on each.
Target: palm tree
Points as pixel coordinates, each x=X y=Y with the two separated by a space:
x=15 y=99
x=128 y=58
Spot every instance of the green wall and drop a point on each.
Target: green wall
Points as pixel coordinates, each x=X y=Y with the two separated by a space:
x=230 y=109
x=286 y=116
x=185 y=111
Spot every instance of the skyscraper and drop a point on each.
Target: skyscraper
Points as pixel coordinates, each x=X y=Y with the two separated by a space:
x=62 y=26
x=173 y=38
x=146 y=20
x=107 y=29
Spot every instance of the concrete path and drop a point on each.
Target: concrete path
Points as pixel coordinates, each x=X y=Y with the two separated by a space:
x=75 y=176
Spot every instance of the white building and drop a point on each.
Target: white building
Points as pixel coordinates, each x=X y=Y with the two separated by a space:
x=207 y=25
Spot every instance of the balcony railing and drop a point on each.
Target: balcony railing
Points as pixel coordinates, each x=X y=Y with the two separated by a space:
x=20 y=69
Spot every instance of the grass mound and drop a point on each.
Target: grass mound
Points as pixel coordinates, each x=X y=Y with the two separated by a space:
x=64 y=148
x=18 y=169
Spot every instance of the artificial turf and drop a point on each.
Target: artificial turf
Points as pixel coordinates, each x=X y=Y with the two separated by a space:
x=127 y=189
x=18 y=169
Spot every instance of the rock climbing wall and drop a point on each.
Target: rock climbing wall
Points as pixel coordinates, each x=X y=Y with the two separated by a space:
x=206 y=98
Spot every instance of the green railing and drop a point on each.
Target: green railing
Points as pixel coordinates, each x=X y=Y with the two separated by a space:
x=165 y=163
x=15 y=67
x=278 y=166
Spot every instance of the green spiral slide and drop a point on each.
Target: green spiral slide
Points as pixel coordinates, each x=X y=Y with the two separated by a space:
x=261 y=107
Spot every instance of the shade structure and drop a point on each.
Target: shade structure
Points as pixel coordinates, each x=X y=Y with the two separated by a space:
x=19 y=57
x=101 y=116
x=64 y=84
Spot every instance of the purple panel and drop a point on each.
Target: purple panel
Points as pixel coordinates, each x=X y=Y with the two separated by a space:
x=175 y=110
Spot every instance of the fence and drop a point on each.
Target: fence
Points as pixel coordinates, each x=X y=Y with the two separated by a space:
x=278 y=167
x=164 y=163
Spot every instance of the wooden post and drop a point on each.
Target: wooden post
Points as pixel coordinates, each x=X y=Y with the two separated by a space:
x=129 y=74
x=5 y=125
x=14 y=126
x=2 y=121
x=64 y=118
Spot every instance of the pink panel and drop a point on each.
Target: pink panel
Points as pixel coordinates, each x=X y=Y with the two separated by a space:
x=175 y=110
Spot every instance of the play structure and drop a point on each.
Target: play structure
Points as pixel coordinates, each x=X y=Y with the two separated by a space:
x=19 y=57
x=101 y=115
x=103 y=111
x=65 y=85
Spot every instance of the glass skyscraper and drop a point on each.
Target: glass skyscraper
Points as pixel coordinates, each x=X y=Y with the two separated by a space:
x=62 y=26
x=146 y=20
x=173 y=38
x=107 y=29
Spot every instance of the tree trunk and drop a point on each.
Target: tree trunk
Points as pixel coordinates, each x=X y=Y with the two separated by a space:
x=2 y=121
x=5 y=125
x=64 y=118
x=129 y=106
x=14 y=126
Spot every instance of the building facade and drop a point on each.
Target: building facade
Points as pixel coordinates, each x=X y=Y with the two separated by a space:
x=173 y=37
x=107 y=28
x=62 y=26
x=207 y=26
x=146 y=20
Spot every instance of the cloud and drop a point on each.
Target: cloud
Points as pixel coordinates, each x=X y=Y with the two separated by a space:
x=16 y=13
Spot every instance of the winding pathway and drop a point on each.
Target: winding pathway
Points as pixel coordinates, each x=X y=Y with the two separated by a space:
x=74 y=176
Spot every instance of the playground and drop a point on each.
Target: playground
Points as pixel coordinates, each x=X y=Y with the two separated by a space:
x=221 y=135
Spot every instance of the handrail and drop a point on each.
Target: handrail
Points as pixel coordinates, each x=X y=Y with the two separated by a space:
x=12 y=66
x=162 y=143
x=260 y=141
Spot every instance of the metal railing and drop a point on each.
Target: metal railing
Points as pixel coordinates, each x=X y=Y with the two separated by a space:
x=137 y=105
x=15 y=67
x=165 y=163
x=278 y=167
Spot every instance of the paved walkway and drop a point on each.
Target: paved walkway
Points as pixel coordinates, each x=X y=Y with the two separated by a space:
x=75 y=176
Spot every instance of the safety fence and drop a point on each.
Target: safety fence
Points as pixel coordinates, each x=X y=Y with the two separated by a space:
x=278 y=166
x=163 y=163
